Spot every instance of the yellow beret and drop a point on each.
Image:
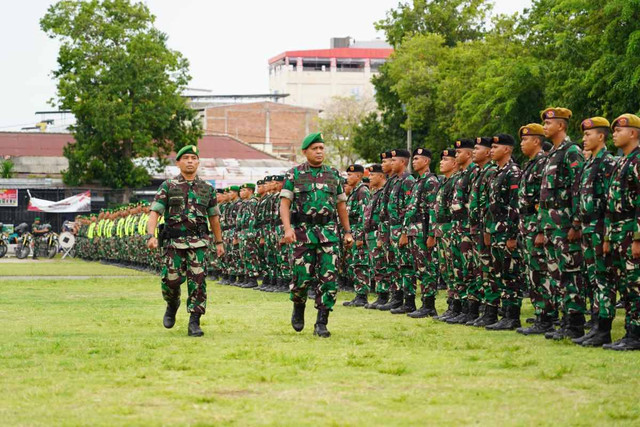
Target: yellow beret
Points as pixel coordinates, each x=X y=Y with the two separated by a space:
x=531 y=129
x=594 y=122
x=556 y=113
x=626 y=121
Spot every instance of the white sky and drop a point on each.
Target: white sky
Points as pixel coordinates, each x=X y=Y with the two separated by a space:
x=227 y=43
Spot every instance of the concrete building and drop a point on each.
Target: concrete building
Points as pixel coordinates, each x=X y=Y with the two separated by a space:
x=272 y=127
x=312 y=77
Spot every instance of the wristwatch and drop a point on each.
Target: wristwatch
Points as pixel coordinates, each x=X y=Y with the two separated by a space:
x=148 y=236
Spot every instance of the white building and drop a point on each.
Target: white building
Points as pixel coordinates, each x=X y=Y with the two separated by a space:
x=312 y=77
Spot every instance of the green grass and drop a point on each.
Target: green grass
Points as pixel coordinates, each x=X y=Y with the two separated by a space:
x=94 y=352
x=62 y=267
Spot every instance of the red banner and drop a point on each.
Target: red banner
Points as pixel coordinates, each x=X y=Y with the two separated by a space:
x=8 y=197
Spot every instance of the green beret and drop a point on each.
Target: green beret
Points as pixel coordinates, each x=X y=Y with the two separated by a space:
x=311 y=138
x=37 y=218
x=234 y=188
x=249 y=186
x=188 y=149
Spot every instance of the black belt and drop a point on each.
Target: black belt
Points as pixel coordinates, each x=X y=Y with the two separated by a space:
x=529 y=210
x=622 y=216
x=547 y=204
x=298 y=218
x=172 y=233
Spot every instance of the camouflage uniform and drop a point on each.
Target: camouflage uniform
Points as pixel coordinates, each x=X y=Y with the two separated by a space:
x=593 y=191
x=357 y=264
x=186 y=207
x=558 y=211
x=419 y=222
x=248 y=245
x=314 y=194
x=377 y=259
x=399 y=196
x=622 y=227
x=534 y=258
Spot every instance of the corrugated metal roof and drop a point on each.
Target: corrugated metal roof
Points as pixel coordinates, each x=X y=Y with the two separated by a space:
x=16 y=144
x=341 y=52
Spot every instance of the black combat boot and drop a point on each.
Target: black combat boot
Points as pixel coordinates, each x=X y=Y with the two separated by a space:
x=430 y=302
x=350 y=302
x=297 y=318
x=360 y=301
x=320 y=328
x=593 y=321
x=409 y=305
x=194 y=325
x=462 y=316
x=562 y=325
x=251 y=282
x=510 y=321
x=455 y=309
x=542 y=325
x=630 y=342
x=240 y=281
x=282 y=285
x=448 y=312
x=383 y=298
x=599 y=334
x=397 y=299
x=574 y=327
x=225 y=279
x=489 y=317
x=169 y=318
x=232 y=279
x=474 y=313
x=422 y=311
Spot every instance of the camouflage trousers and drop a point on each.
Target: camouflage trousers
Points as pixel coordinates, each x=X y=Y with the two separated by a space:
x=387 y=267
x=564 y=261
x=190 y=265
x=626 y=275
x=504 y=276
x=404 y=277
x=357 y=267
x=482 y=266
x=425 y=265
x=445 y=257
x=249 y=251
x=463 y=263
x=538 y=281
x=271 y=260
x=262 y=255
x=600 y=290
x=314 y=265
x=378 y=262
x=283 y=255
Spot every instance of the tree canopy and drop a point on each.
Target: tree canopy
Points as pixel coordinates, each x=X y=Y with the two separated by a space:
x=456 y=72
x=118 y=77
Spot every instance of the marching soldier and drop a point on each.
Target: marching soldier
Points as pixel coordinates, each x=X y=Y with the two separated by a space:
x=189 y=207
x=310 y=198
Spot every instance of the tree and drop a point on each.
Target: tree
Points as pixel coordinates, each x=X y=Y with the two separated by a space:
x=121 y=81
x=6 y=168
x=338 y=122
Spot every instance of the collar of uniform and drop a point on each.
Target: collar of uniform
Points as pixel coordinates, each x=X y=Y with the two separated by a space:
x=180 y=178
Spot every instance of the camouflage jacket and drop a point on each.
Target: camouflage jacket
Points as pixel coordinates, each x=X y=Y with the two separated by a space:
x=314 y=194
x=623 y=204
x=399 y=197
x=231 y=216
x=479 y=197
x=371 y=217
x=502 y=214
x=558 y=200
x=460 y=200
x=529 y=193
x=443 y=201
x=592 y=190
x=420 y=211
x=384 y=228
x=261 y=215
x=246 y=216
x=186 y=207
x=356 y=202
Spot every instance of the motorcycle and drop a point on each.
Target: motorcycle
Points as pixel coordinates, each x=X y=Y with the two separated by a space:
x=4 y=242
x=24 y=245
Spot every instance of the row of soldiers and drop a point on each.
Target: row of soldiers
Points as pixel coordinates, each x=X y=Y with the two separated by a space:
x=563 y=229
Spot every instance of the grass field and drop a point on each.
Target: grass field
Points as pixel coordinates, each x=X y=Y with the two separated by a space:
x=94 y=352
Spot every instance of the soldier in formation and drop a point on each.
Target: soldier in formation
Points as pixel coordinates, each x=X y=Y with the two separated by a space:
x=563 y=228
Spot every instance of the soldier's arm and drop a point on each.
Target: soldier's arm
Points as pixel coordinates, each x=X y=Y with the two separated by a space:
x=214 y=224
x=512 y=203
x=430 y=206
x=574 y=162
x=636 y=201
x=412 y=208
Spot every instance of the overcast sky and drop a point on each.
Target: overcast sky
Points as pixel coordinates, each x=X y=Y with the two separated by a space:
x=227 y=43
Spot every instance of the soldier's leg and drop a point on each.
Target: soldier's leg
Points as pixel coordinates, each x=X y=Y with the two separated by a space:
x=359 y=270
x=631 y=292
x=304 y=270
x=589 y=274
x=572 y=285
x=325 y=271
x=196 y=280
x=552 y=258
x=173 y=275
